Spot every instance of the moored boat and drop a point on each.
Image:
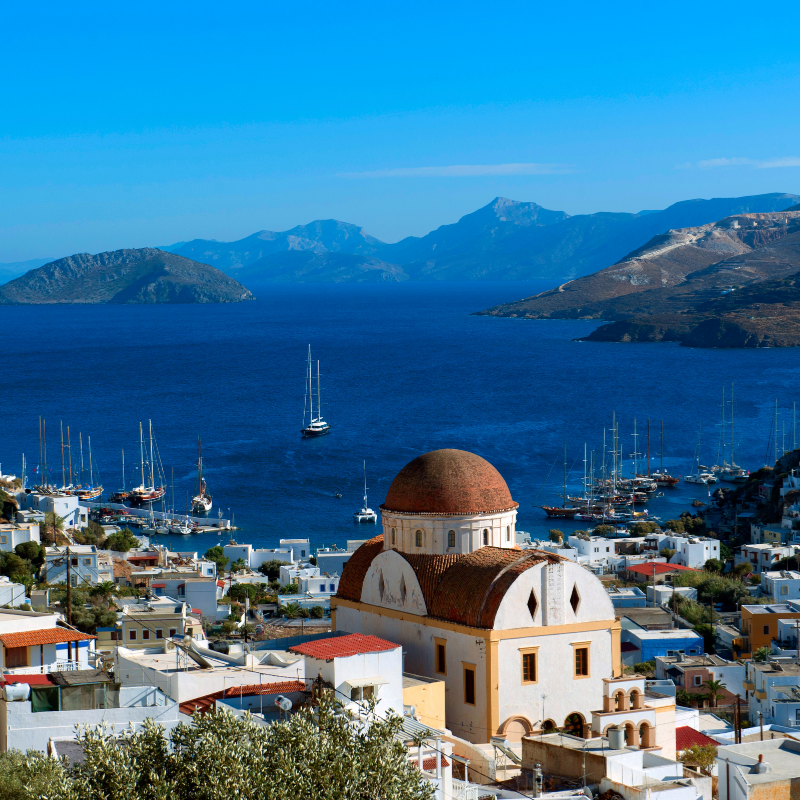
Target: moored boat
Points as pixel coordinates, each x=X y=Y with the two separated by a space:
x=316 y=425
x=201 y=502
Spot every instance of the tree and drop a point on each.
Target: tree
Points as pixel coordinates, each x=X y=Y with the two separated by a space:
x=104 y=589
x=272 y=569
x=762 y=654
x=204 y=758
x=122 y=541
x=217 y=555
x=291 y=610
x=675 y=525
x=713 y=565
x=240 y=563
x=50 y=529
x=701 y=756
x=707 y=632
x=317 y=612
x=556 y=536
x=667 y=553
x=714 y=689
x=229 y=626
x=240 y=591
x=603 y=530
x=8 y=506
x=742 y=570
x=31 y=551
x=13 y=566
x=643 y=528
x=93 y=533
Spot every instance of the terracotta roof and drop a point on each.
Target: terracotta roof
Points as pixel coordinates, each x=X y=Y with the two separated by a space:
x=158 y=585
x=686 y=737
x=448 y=482
x=466 y=589
x=355 y=569
x=660 y=568
x=343 y=646
x=205 y=703
x=429 y=763
x=33 y=680
x=46 y=636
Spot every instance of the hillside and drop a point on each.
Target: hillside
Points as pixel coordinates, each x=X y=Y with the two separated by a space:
x=303 y=266
x=504 y=240
x=673 y=271
x=125 y=277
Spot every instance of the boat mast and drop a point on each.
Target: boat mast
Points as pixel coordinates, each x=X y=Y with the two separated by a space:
x=91 y=474
x=80 y=438
x=723 y=427
x=565 y=475
x=319 y=396
x=40 y=443
x=775 y=438
x=648 y=447
x=44 y=445
x=199 y=468
x=661 y=468
x=152 y=473
x=585 y=477
x=69 y=454
x=365 y=484
x=310 y=392
x=63 y=475
x=635 y=447
x=733 y=435
x=123 y=470
x=141 y=452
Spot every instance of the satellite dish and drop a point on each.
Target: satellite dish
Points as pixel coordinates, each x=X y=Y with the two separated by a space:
x=283 y=703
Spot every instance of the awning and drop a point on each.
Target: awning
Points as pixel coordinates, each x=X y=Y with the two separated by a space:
x=358 y=683
x=158 y=585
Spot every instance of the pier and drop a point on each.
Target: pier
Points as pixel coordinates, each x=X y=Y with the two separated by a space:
x=205 y=524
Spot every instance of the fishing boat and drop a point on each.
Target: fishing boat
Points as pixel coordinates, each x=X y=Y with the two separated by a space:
x=316 y=425
x=201 y=502
x=366 y=514
x=145 y=494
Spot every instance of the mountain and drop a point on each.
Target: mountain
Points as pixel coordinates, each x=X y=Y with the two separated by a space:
x=302 y=266
x=13 y=269
x=672 y=271
x=504 y=240
x=321 y=236
x=124 y=276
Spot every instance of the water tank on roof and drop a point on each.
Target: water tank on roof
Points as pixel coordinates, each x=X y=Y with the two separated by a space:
x=16 y=691
x=616 y=738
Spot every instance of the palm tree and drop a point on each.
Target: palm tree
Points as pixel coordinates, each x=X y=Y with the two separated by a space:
x=291 y=610
x=762 y=654
x=714 y=689
x=104 y=589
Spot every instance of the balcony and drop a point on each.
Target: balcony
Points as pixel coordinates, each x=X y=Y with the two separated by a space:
x=760 y=695
x=56 y=666
x=749 y=686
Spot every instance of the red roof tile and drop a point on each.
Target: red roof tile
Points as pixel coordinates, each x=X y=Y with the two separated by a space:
x=33 y=680
x=355 y=569
x=660 y=568
x=685 y=737
x=158 y=585
x=343 y=646
x=429 y=763
x=46 y=636
x=205 y=703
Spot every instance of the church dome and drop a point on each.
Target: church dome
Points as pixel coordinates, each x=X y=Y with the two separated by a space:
x=448 y=482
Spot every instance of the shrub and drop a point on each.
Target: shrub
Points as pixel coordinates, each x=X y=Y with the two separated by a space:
x=122 y=541
x=646 y=668
x=217 y=555
x=317 y=612
x=643 y=528
x=272 y=569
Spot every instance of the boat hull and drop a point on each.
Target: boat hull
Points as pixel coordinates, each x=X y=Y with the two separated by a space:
x=562 y=513
x=143 y=498
x=311 y=433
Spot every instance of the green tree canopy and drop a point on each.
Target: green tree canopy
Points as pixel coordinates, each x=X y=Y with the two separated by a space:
x=643 y=528
x=272 y=569
x=713 y=565
x=217 y=555
x=700 y=756
x=32 y=551
x=122 y=541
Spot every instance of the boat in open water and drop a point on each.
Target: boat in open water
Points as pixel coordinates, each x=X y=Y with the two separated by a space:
x=316 y=424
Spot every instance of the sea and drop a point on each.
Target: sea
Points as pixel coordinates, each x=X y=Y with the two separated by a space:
x=405 y=368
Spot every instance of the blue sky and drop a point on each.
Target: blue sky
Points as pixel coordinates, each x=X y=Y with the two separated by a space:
x=125 y=125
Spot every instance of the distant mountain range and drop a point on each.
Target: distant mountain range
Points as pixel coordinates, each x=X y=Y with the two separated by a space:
x=505 y=240
x=731 y=283
x=126 y=277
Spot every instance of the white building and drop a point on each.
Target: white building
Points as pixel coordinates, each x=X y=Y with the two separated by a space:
x=521 y=639
x=85 y=564
x=14 y=533
x=300 y=547
x=781 y=585
x=65 y=506
x=759 y=769
x=319 y=584
x=692 y=551
x=762 y=557
x=12 y=594
x=292 y=573
x=771 y=684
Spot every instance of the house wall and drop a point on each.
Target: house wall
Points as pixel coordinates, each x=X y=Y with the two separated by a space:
x=761 y=629
x=12 y=535
x=429 y=701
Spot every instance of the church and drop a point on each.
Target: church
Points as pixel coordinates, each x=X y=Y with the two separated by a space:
x=523 y=639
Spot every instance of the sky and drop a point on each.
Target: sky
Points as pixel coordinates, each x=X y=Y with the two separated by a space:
x=131 y=125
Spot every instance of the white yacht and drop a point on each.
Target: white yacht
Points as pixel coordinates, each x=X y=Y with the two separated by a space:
x=201 y=502
x=366 y=514
x=316 y=425
x=699 y=477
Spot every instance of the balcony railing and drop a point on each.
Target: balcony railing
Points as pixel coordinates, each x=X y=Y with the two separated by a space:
x=463 y=790
x=56 y=666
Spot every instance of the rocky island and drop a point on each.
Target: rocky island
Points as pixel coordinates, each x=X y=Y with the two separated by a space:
x=731 y=283
x=146 y=275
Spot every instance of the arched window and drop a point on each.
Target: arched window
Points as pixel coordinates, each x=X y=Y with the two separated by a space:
x=485 y=536
x=419 y=538
x=508 y=533
x=394 y=536
x=451 y=538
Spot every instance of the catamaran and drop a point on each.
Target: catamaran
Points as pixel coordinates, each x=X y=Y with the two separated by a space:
x=144 y=494
x=316 y=425
x=201 y=502
x=366 y=514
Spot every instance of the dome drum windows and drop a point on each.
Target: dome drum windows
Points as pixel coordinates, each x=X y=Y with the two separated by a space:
x=394 y=536
x=451 y=538
x=418 y=538
x=485 y=537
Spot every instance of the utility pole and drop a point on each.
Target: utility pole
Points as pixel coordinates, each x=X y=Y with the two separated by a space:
x=761 y=723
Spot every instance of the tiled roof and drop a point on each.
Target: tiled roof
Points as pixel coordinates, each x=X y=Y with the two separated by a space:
x=205 y=703
x=686 y=737
x=343 y=646
x=46 y=636
x=429 y=763
x=448 y=482
x=466 y=589
x=660 y=568
x=33 y=680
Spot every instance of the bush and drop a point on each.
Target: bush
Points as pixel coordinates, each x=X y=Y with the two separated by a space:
x=603 y=530
x=667 y=553
x=317 y=612
x=31 y=551
x=643 y=528
x=122 y=541
x=674 y=525
x=93 y=533
x=646 y=668
x=217 y=555
x=713 y=565
x=272 y=569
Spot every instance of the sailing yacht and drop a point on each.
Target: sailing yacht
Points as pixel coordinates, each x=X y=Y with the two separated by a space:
x=731 y=473
x=147 y=494
x=201 y=502
x=562 y=511
x=366 y=514
x=316 y=425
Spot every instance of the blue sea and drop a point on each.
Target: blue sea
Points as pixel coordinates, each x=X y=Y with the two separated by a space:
x=405 y=369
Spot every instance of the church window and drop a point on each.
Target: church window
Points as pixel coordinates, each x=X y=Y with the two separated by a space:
x=508 y=533
x=532 y=604
x=451 y=538
x=575 y=599
x=381 y=586
x=469 y=684
x=403 y=589
x=419 y=538
x=529 y=665
x=485 y=536
x=441 y=656
x=581 y=662
x=394 y=536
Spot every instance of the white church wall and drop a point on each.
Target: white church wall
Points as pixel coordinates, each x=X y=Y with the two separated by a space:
x=390 y=582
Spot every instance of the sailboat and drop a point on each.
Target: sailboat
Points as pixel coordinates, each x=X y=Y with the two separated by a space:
x=143 y=494
x=732 y=473
x=90 y=492
x=701 y=475
x=366 y=514
x=121 y=496
x=562 y=511
x=663 y=478
x=316 y=425
x=201 y=502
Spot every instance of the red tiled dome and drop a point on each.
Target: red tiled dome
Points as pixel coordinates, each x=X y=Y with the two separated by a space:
x=448 y=482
